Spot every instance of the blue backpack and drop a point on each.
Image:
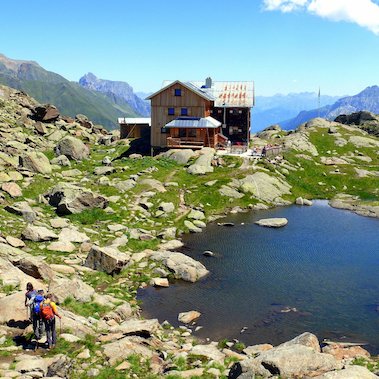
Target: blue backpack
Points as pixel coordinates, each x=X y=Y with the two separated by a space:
x=37 y=304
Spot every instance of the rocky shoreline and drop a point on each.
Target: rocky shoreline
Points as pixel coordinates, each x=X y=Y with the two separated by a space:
x=353 y=204
x=87 y=223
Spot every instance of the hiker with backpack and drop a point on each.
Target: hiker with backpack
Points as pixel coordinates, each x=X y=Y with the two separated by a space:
x=36 y=315
x=30 y=294
x=48 y=313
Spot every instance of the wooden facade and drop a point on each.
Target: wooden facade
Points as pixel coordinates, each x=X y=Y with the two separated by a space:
x=228 y=107
x=135 y=127
x=134 y=130
x=195 y=105
x=193 y=138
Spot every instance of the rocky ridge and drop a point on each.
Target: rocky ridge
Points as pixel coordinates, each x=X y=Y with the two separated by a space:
x=93 y=229
x=118 y=91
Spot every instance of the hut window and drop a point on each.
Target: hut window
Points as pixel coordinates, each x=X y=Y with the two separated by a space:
x=184 y=112
x=171 y=111
x=178 y=92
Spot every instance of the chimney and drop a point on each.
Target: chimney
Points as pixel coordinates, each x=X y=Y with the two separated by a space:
x=208 y=82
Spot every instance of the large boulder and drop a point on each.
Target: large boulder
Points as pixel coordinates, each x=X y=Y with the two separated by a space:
x=61 y=160
x=13 y=189
x=230 y=192
x=68 y=199
x=167 y=207
x=121 y=349
x=277 y=222
x=188 y=317
x=305 y=339
x=34 y=266
x=61 y=246
x=13 y=311
x=192 y=228
x=45 y=113
x=331 y=161
x=300 y=141
x=317 y=122
x=181 y=265
x=339 y=351
x=36 y=162
x=196 y=215
x=72 y=234
x=79 y=324
x=121 y=313
x=38 y=233
x=297 y=358
x=349 y=372
x=22 y=208
x=63 y=288
x=62 y=364
x=135 y=326
x=209 y=352
x=364 y=141
x=34 y=365
x=108 y=259
x=72 y=148
x=203 y=164
x=13 y=276
x=265 y=187
x=302 y=201
x=181 y=156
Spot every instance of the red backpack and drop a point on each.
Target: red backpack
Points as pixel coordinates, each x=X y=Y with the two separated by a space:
x=46 y=311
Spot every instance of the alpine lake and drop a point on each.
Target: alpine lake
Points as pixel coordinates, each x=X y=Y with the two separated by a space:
x=320 y=274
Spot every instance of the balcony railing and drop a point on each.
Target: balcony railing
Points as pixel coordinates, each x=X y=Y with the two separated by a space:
x=184 y=142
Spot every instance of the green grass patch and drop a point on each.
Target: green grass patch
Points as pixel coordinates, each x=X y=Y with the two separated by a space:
x=372 y=364
x=8 y=289
x=64 y=347
x=91 y=216
x=85 y=309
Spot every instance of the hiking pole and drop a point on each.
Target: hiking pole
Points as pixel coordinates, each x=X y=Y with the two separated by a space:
x=60 y=325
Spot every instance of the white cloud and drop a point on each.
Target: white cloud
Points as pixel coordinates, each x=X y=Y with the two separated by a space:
x=284 y=5
x=364 y=13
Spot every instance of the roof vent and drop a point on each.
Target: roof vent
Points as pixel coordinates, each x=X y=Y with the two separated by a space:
x=208 y=82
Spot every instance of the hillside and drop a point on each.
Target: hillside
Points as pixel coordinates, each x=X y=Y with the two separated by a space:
x=79 y=219
x=69 y=97
x=120 y=93
x=367 y=100
x=269 y=110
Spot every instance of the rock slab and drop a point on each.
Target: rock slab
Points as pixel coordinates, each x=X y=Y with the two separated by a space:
x=108 y=259
x=272 y=222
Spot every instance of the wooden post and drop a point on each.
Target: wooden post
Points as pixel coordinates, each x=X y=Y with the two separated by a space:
x=248 y=127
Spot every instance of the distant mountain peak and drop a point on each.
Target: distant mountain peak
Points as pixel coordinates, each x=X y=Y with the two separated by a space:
x=369 y=90
x=366 y=100
x=89 y=76
x=14 y=64
x=117 y=90
x=71 y=98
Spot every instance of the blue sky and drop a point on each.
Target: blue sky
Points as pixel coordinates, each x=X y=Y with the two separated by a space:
x=283 y=45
